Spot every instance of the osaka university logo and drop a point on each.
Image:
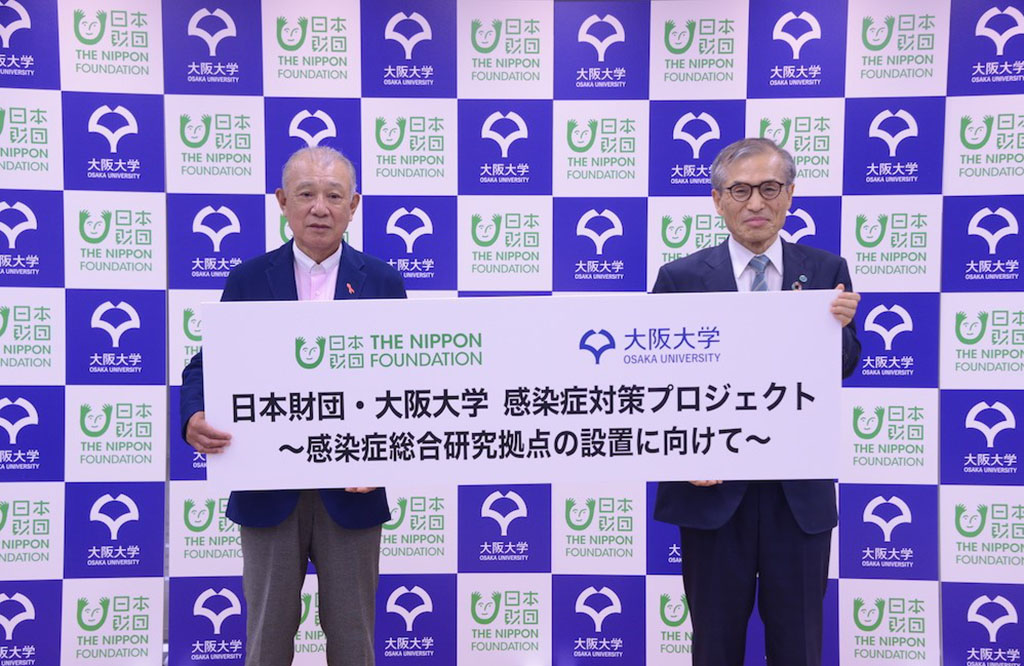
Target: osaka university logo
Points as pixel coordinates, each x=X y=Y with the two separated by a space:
x=893 y=141
x=599 y=239
x=889 y=334
x=22 y=22
x=10 y=622
x=999 y=39
x=199 y=226
x=408 y=43
x=487 y=509
x=114 y=525
x=887 y=526
x=992 y=626
x=425 y=228
x=504 y=141
x=234 y=607
x=409 y=615
x=29 y=223
x=1011 y=228
x=29 y=418
x=990 y=432
x=779 y=32
x=713 y=131
x=113 y=137
x=212 y=40
x=809 y=228
x=617 y=35
x=597 y=343
x=329 y=129
x=115 y=332
x=614 y=605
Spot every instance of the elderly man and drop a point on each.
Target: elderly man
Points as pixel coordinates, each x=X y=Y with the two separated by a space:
x=338 y=529
x=773 y=536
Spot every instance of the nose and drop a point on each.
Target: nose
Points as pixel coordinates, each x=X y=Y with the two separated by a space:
x=755 y=202
x=319 y=206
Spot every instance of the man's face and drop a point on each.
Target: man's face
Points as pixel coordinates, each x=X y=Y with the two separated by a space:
x=754 y=223
x=318 y=202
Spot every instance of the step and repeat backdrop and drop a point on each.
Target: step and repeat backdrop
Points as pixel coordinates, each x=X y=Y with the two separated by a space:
x=503 y=147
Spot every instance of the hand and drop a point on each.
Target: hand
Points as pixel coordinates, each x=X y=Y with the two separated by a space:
x=845 y=305
x=705 y=484
x=362 y=490
x=203 y=437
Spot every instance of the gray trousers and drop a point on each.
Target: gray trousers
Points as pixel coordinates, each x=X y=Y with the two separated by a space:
x=274 y=567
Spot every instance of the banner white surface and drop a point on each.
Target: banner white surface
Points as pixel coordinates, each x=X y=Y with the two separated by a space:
x=524 y=390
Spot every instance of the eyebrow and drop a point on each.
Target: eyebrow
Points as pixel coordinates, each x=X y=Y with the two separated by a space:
x=308 y=183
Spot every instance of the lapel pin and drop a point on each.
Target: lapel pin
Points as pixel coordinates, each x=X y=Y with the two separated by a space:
x=798 y=284
x=350 y=289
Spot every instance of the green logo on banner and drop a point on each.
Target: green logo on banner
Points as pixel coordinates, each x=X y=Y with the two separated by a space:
x=389 y=144
x=682 y=608
x=862 y=614
x=878 y=419
x=91 y=424
x=3 y=116
x=191 y=326
x=572 y=133
x=190 y=134
x=964 y=522
x=4 y=508
x=864 y=231
x=97 y=27
x=396 y=522
x=780 y=135
x=94 y=231
x=481 y=230
x=90 y=625
x=311 y=357
x=570 y=509
x=307 y=599
x=675 y=235
x=969 y=135
x=210 y=507
x=670 y=32
x=493 y=36
x=281 y=30
x=866 y=30
x=5 y=313
x=963 y=331
x=474 y=601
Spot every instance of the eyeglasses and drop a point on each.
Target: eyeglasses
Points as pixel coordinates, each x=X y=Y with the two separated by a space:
x=768 y=189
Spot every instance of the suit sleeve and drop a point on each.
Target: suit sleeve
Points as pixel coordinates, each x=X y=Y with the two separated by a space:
x=851 y=345
x=664 y=284
x=191 y=399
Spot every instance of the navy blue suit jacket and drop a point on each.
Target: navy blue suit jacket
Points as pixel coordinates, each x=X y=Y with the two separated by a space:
x=271 y=277
x=812 y=502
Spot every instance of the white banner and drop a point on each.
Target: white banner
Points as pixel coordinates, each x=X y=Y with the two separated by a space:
x=523 y=390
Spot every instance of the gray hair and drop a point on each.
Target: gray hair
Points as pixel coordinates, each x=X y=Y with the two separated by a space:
x=744 y=148
x=322 y=155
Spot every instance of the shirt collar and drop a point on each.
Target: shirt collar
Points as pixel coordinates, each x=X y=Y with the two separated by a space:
x=306 y=263
x=741 y=256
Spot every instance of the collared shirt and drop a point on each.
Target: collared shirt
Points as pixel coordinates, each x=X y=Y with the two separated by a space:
x=744 y=274
x=313 y=281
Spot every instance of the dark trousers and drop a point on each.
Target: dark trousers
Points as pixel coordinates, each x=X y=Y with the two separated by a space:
x=760 y=547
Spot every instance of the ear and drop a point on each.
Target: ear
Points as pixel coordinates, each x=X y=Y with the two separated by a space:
x=716 y=196
x=281 y=199
x=356 y=198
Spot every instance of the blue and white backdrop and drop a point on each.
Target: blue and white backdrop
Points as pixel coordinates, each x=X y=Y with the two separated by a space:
x=503 y=147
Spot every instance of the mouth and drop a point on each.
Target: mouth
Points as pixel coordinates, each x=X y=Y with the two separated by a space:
x=757 y=222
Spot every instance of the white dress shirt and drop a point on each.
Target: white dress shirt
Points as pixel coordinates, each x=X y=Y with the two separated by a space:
x=313 y=281
x=744 y=274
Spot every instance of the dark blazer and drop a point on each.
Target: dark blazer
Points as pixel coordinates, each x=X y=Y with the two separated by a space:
x=812 y=502
x=271 y=277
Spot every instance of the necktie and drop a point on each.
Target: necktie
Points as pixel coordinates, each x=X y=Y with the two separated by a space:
x=759 y=263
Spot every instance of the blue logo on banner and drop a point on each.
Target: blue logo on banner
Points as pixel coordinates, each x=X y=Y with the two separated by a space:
x=415 y=619
x=114 y=530
x=798 y=49
x=116 y=337
x=187 y=464
x=294 y=123
x=113 y=142
x=982 y=243
x=505 y=147
x=685 y=137
x=29 y=628
x=212 y=50
x=505 y=528
x=814 y=221
x=986 y=48
x=600 y=244
x=894 y=146
x=980 y=434
x=28 y=45
x=596 y=617
x=31 y=239
x=980 y=621
x=416 y=236
x=31 y=433
x=603 y=50
x=408 y=48
x=209 y=234
x=888 y=532
x=663 y=554
x=899 y=336
x=207 y=620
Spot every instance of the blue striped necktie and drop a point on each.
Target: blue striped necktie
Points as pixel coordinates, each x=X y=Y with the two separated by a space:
x=759 y=263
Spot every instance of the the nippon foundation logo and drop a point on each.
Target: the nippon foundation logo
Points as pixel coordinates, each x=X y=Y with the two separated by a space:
x=783 y=32
x=503 y=520
x=868 y=617
x=994 y=619
x=200 y=609
x=616 y=35
x=673 y=611
x=990 y=431
x=9 y=621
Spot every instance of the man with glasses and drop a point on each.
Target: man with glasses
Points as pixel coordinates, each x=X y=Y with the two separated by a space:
x=771 y=535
